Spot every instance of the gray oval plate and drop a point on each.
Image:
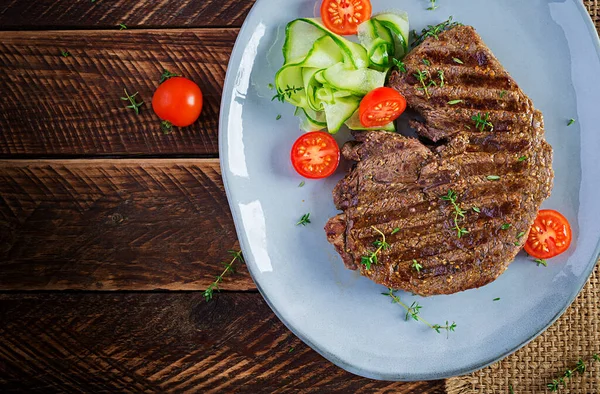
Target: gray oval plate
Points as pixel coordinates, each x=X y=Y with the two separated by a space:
x=552 y=50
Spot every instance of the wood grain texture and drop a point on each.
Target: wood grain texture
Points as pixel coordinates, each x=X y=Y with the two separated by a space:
x=55 y=105
x=108 y=225
x=85 y=14
x=163 y=343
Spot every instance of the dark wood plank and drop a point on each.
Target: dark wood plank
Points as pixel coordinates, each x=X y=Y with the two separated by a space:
x=163 y=343
x=55 y=105
x=107 y=225
x=99 y=14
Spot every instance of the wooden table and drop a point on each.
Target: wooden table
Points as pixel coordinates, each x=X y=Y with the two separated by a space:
x=111 y=230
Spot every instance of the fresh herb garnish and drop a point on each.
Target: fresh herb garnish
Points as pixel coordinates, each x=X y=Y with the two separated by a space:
x=166 y=75
x=396 y=230
x=441 y=75
x=520 y=234
x=291 y=349
x=380 y=244
x=208 y=293
x=505 y=226
x=414 y=310
x=493 y=178
x=502 y=93
x=454 y=102
x=435 y=31
x=571 y=121
x=289 y=90
x=122 y=26
x=432 y=7
x=134 y=104
x=422 y=78
x=426 y=62
x=278 y=117
x=496 y=299
x=540 y=261
x=476 y=209
x=458 y=212
x=580 y=368
x=166 y=127
x=304 y=220
x=457 y=60
x=522 y=158
x=302 y=184
x=400 y=65
x=416 y=266
x=482 y=122
x=270 y=86
x=65 y=53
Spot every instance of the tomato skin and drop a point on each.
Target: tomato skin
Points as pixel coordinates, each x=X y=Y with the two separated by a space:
x=392 y=105
x=343 y=16
x=178 y=100
x=315 y=155
x=549 y=236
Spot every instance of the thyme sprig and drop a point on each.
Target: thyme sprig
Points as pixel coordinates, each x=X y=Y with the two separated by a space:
x=304 y=220
x=229 y=269
x=380 y=244
x=414 y=311
x=134 y=104
x=441 y=75
x=435 y=31
x=289 y=90
x=539 y=262
x=432 y=6
x=483 y=121
x=580 y=368
x=400 y=65
x=65 y=53
x=166 y=75
x=459 y=213
x=422 y=76
x=417 y=266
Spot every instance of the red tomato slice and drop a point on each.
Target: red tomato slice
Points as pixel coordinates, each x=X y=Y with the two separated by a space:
x=380 y=107
x=315 y=155
x=549 y=236
x=343 y=16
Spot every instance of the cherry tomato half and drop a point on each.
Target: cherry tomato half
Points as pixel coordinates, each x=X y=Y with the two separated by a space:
x=343 y=16
x=549 y=236
x=380 y=107
x=178 y=101
x=315 y=155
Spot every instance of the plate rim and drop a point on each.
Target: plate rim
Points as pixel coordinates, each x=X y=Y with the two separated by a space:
x=226 y=98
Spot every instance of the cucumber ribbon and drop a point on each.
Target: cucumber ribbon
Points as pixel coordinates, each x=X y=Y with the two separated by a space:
x=326 y=76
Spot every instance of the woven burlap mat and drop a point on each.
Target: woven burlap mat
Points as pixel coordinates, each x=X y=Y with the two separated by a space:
x=575 y=335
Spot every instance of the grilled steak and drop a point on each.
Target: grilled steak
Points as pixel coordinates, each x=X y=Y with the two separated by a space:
x=487 y=150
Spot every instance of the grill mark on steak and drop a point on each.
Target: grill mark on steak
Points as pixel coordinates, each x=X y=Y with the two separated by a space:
x=398 y=182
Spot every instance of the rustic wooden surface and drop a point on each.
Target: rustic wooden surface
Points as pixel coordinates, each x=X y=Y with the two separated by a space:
x=114 y=225
x=54 y=105
x=107 y=14
x=116 y=210
x=163 y=343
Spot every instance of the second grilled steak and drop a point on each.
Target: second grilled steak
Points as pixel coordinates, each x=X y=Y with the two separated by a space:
x=490 y=156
